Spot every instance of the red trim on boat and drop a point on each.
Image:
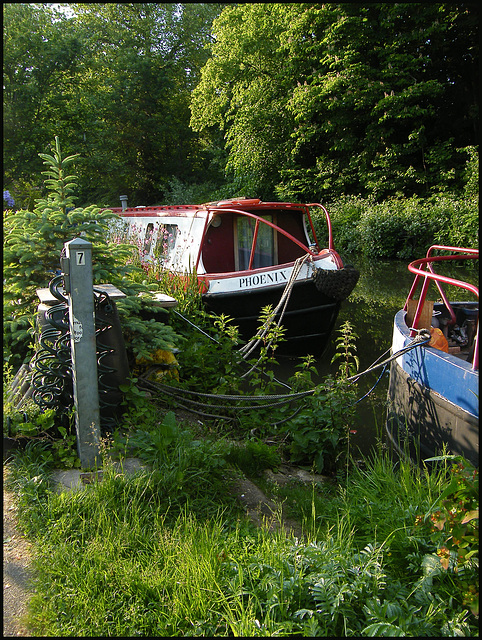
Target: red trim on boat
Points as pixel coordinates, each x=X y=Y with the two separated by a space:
x=417 y=267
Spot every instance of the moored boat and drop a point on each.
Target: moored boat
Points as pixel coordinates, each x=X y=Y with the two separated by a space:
x=248 y=254
x=433 y=395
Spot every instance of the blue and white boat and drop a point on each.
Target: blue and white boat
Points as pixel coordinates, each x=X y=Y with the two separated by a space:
x=433 y=396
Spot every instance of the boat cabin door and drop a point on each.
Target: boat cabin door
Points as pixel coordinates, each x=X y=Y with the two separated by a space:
x=255 y=243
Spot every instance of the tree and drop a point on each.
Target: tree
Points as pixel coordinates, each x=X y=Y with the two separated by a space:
x=143 y=59
x=342 y=98
x=113 y=81
x=40 y=57
x=242 y=91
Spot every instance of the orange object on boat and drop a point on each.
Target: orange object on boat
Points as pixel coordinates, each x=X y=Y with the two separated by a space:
x=438 y=340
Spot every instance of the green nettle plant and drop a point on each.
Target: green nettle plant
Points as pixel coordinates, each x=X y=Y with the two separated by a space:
x=346 y=351
x=33 y=241
x=319 y=433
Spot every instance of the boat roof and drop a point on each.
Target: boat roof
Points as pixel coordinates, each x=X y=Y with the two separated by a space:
x=200 y=210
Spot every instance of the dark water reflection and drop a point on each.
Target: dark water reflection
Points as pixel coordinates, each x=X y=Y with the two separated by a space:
x=381 y=292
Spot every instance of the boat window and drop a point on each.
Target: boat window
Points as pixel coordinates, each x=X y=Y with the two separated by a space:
x=264 y=253
x=166 y=241
x=148 y=238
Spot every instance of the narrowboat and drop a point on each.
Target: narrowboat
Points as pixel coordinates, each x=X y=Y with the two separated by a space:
x=433 y=395
x=247 y=254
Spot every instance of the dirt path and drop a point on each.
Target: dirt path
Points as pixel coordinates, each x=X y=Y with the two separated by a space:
x=16 y=572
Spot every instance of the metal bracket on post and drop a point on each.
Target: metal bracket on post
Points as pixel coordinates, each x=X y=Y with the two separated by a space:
x=79 y=285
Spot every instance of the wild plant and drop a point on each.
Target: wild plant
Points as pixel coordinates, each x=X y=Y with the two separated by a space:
x=165 y=553
x=185 y=288
x=319 y=432
x=346 y=351
x=8 y=201
x=33 y=424
x=31 y=421
x=263 y=344
x=302 y=380
x=452 y=523
x=253 y=457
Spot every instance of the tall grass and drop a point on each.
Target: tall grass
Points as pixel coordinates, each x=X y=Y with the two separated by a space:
x=123 y=558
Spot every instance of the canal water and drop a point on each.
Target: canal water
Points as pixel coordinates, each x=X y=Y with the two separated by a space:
x=381 y=291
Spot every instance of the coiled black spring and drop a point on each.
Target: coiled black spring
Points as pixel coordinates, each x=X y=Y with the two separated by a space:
x=52 y=385
x=52 y=364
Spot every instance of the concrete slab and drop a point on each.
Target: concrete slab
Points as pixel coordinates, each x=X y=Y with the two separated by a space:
x=287 y=474
x=77 y=480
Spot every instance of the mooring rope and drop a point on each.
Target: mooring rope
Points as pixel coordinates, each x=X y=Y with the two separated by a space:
x=270 y=400
x=196 y=327
x=248 y=348
x=194 y=403
x=422 y=338
x=244 y=397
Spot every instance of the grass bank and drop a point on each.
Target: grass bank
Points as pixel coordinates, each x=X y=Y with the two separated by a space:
x=168 y=552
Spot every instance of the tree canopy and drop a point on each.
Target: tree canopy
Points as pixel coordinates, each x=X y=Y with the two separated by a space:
x=276 y=100
x=318 y=99
x=113 y=81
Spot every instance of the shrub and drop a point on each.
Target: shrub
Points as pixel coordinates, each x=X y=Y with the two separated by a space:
x=179 y=192
x=345 y=214
x=397 y=229
x=404 y=228
x=458 y=220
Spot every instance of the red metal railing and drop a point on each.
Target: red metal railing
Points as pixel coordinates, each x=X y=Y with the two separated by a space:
x=258 y=220
x=328 y=222
x=428 y=275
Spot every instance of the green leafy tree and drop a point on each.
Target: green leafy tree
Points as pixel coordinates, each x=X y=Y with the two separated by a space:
x=113 y=81
x=143 y=60
x=342 y=98
x=41 y=54
x=242 y=91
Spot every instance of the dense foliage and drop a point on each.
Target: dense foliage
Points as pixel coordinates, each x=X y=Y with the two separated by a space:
x=276 y=100
x=113 y=81
x=318 y=100
x=404 y=228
